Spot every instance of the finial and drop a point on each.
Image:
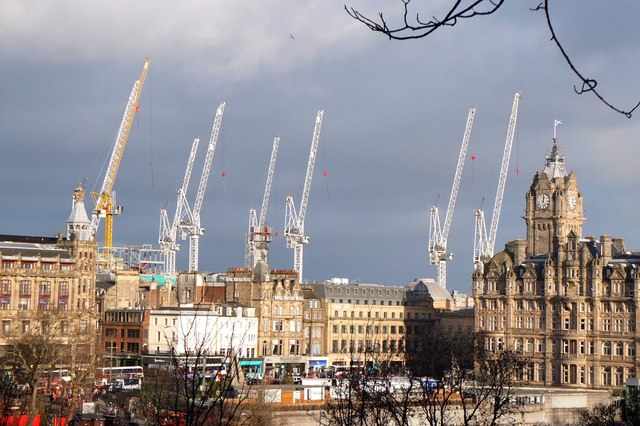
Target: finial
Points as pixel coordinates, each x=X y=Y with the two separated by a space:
x=78 y=193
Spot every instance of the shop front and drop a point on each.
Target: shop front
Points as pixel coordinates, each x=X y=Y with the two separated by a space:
x=252 y=368
x=318 y=365
x=278 y=367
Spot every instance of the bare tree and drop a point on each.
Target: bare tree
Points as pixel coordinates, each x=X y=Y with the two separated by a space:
x=459 y=10
x=447 y=380
x=81 y=358
x=601 y=415
x=37 y=347
x=203 y=383
x=360 y=394
x=13 y=396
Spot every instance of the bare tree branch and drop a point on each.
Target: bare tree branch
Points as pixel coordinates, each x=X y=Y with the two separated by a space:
x=410 y=29
x=419 y=29
x=588 y=84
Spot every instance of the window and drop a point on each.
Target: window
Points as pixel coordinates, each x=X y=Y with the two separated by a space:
x=5 y=287
x=24 y=303
x=606 y=348
x=277 y=325
x=64 y=327
x=63 y=303
x=25 y=288
x=606 y=376
x=6 y=327
x=43 y=303
x=631 y=350
x=619 y=349
x=618 y=325
x=294 y=347
x=133 y=334
x=63 y=290
x=26 y=325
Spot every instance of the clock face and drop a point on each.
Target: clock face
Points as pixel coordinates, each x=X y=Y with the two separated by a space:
x=543 y=201
x=572 y=202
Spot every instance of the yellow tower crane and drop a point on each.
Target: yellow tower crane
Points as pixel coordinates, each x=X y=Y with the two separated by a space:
x=105 y=199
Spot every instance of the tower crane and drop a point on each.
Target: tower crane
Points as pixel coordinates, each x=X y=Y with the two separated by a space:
x=294 y=221
x=259 y=234
x=190 y=224
x=438 y=236
x=483 y=243
x=105 y=199
x=168 y=231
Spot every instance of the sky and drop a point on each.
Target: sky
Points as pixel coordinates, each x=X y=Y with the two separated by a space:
x=394 y=118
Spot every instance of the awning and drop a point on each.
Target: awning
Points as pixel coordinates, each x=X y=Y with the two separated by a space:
x=250 y=362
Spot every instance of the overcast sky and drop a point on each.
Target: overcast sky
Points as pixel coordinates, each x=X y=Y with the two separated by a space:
x=394 y=119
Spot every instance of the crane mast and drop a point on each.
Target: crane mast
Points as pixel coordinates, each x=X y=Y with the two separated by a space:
x=168 y=231
x=484 y=245
x=438 y=236
x=105 y=199
x=190 y=225
x=259 y=235
x=294 y=221
x=267 y=187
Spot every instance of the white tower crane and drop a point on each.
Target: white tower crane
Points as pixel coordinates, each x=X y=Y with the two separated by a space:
x=105 y=199
x=259 y=234
x=483 y=244
x=294 y=221
x=438 y=236
x=168 y=237
x=190 y=225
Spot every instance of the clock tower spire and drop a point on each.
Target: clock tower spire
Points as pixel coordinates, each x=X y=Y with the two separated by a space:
x=553 y=205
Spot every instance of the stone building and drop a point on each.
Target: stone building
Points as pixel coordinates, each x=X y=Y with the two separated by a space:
x=314 y=324
x=568 y=303
x=277 y=298
x=364 y=323
x=54 y=277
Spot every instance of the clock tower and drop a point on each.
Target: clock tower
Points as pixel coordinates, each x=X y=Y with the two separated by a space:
x=553 y=205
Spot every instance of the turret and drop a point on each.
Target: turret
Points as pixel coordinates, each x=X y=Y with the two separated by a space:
x=78 y=224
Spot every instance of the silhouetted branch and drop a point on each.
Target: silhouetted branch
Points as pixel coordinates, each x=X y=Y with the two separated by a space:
x=419 y=29
x=588 y=84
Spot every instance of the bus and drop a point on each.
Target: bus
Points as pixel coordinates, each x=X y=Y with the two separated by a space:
x=217 y=371
x=57 y=376
x=53 y=378
x=123 y=378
